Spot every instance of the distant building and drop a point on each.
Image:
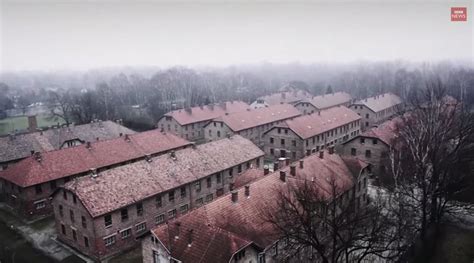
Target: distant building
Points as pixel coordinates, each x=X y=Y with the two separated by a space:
x=373 y=146
x=311 y=133
x=18 y=146
x=189 y=123
x=250 y=124
x=377 y=109
x=285 y=97
x=232 y=228
x=27 y=185
x=104 y=213
x=322 y=102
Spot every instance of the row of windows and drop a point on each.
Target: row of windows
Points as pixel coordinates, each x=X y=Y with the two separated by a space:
x=74 y=235
x=72 y=216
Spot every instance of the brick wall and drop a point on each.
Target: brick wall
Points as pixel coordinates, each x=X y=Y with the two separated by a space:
x=379 y=153
x=151 y=211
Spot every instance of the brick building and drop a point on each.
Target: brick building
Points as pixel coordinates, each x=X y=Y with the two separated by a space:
x=103 y=214
x=250 y=124
x=19 y=146
x=28 y=184
x=377 y=109
x=310 y=133
x=322 y=102
x=189 y=123
x=233 y=229
x=373 y=146
x=285 y=97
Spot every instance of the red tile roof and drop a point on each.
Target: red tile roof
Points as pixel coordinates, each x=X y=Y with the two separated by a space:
x=380 y=102
x=205 y=113
x=229 y=226
x=285 y=97
x=79 y=159
x=20 y=146
x=386 y=132
x=311 y=125
x=117 y=187
x=247 y=177
x=255 y=117
x=329 y=100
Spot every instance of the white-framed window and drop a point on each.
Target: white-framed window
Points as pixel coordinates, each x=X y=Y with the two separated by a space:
x=184 y=209
x=108 y=241
x=159 y=219
x=140 y=227
x=126 y=233
x=172 y=213
x=40 y=204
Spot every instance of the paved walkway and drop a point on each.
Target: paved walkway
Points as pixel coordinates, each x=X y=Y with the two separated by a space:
x=40 y=233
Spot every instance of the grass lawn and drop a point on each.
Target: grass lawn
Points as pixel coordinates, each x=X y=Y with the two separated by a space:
x=11 y=124
x=454 y=245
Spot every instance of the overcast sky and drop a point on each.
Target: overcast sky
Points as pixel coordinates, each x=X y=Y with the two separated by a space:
x=49 y=35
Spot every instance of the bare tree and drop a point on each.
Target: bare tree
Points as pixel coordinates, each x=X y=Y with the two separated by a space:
x=433 y=163
x=326 y=225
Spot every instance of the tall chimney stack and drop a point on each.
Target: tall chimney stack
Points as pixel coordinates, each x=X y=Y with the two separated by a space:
x=287 y=161
x=247 y=191
x=308 y=152
x=301 y=164
x=275 y=166
x=283 y=176
x=281 y=162
x=331 y=150
x=266 y=170
x=293 y=170
x=321 y=154
x=234 y=196
x=32 y=123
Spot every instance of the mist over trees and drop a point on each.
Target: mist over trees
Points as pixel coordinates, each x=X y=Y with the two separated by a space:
x=141 y=95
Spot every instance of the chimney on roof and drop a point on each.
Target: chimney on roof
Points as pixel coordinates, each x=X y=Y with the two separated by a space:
x=319 y=113
x=188 y=110
x=293 y=170
x=88 y=145
x=321 y=154
x=190 y=237
x=331 y=150
x=193 y=145
x=32 y=123
x=226 y=113
x=178 y=225
x=275 y=166
x=283 y=176
x=120 y=134
x=301 y=164
x=247 y=191
x=12 y=136
x=127 y=138
x=93 y=172
x=266 y=170
x=308 y=152
x=32 y=152
x=283 y=95
x=281 y=162
x=37 y=156
x=234 y=196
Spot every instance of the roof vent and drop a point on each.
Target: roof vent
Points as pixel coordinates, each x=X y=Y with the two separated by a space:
x=37 y=156
x=93 y=172
x=148 y=158
x=127 y=138
x=173 y=155
x=88 y=145
x=247 y=191
x=266 y=170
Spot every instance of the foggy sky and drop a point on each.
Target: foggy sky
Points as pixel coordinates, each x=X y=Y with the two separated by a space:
x=50 y=35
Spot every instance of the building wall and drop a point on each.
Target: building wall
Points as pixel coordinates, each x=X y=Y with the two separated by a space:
x=306 y=108
x=64 y=219
x=254 y=134
x=370 y=118
x=379 y=153
x=27 y=202
x=191 y=132
x=151 y=246
x=151 y=210
x=296 y=148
